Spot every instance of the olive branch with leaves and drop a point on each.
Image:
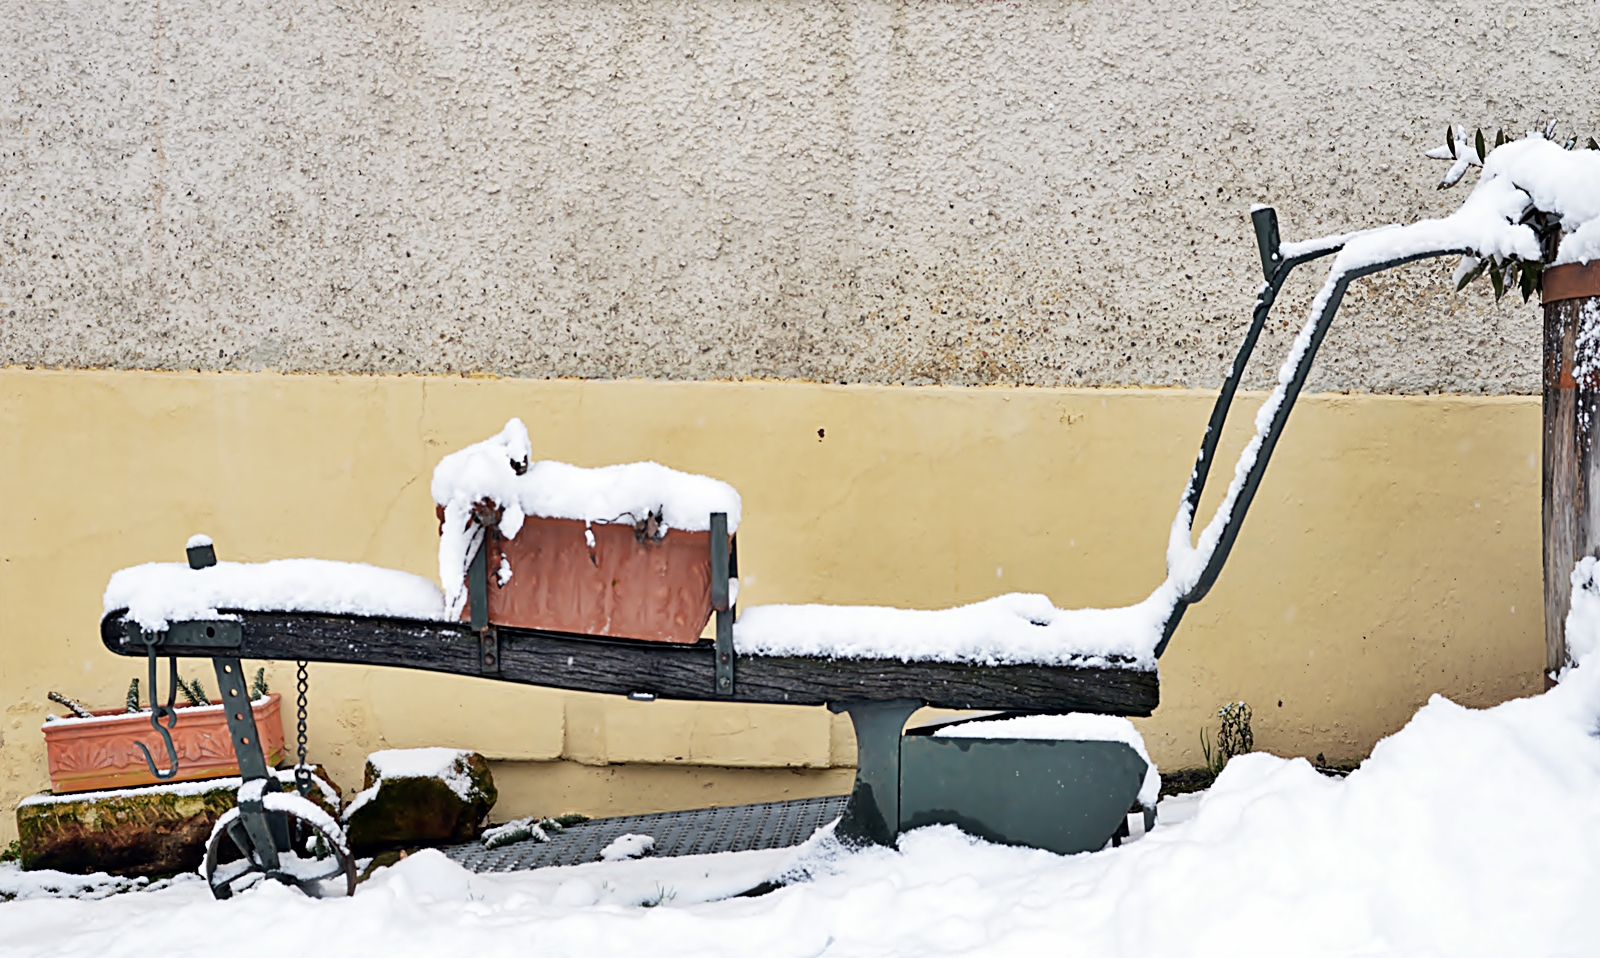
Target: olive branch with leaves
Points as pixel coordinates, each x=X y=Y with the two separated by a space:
x=1509 y=271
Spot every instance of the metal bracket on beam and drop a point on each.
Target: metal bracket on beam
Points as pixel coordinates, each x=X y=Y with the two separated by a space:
x=204 y=635
x=478 y=585
x=478 y=609
x=215 y=634
x=234 y=697
x=489 y=649
x=721 y=571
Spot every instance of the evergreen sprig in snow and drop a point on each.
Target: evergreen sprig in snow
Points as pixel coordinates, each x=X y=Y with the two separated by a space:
x=1505 y=271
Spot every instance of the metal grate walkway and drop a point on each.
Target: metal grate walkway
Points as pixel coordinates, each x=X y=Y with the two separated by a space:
x=700 y=831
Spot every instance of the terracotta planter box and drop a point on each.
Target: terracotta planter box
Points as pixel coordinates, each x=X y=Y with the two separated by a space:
x=99 y=753
x=601 y=579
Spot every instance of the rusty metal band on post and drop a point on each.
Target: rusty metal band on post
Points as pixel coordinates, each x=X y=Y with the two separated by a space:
x=1570 y=281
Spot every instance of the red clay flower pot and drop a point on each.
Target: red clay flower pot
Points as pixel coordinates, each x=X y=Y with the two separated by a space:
x=99 y=753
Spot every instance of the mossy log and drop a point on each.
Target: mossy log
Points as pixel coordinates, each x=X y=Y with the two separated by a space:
x=156 y=831
x=153 y=831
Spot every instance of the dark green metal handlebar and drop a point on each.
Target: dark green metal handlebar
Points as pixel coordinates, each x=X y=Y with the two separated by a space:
x=1276 y=268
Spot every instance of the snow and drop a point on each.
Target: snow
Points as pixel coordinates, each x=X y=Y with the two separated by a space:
x=627 y=846
x=1583 y=617
x=1007 y=629
x=158 y=593
x=197 y=540
x=196 y=787
x=110 y=715
x=449 y=765
x=1073 y=727
x=500 y=470
x=306 y=810
x=1470 y=832
x=521 y=829
x=19 y=885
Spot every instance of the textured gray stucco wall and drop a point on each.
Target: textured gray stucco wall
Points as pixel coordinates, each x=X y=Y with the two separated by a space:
x=959 y=192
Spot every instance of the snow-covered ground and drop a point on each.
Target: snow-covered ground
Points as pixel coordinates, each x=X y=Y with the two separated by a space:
x=1469 y=832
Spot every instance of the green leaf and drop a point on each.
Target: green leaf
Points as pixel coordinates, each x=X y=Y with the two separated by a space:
x=1473 y=274
x=1497 y=276
x=1499 y=139
x=1450 y=140
x=1478 y=142
x=1529 y=280
x=1592 y=144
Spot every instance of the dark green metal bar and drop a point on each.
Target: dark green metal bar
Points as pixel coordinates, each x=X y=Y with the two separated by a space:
x=478 y=585
x=235 y=700
x=872 y=816
x=1241 y=505
x=721 y=566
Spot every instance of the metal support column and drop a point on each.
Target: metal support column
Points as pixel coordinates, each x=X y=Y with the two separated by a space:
x=872 y=816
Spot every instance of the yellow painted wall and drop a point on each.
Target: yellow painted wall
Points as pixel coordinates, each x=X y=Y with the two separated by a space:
x=1393 y=551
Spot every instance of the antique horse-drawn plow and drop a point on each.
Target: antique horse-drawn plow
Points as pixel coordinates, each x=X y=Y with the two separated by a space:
x=1074 y=795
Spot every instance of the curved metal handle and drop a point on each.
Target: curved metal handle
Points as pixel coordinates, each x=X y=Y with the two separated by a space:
x=1236 y=517
x=159 y=711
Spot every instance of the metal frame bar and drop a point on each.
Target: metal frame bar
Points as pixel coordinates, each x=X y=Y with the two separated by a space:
x=1277 y=268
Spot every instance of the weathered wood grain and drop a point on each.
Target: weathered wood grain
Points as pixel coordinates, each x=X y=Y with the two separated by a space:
x=1571 y=473
x=677 y=671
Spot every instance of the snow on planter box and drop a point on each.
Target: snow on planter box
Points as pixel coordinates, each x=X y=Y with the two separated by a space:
x=620 y=551
x=86 y=754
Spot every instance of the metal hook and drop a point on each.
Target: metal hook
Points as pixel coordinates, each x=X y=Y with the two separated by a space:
x=159 y=711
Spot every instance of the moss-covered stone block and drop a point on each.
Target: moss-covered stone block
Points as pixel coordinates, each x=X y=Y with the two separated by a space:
x=416 y=797
x=159 y=830
x=155 y=830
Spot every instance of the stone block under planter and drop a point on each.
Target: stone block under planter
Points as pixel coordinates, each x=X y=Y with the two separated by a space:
x=156 y=830
x=420 y=796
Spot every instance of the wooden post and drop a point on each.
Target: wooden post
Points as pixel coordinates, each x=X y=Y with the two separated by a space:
x=1571 y=480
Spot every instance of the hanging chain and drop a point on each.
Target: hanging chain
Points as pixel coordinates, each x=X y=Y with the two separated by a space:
x=302 y=772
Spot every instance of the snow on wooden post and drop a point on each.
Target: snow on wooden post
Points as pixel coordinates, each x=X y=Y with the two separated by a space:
x=1571 y=488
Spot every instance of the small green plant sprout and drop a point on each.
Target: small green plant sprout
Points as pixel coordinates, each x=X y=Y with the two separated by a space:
x=193 y=692
x=12 y=852
x=132 y=701
x=1505 y=272
x=1233 y=738
x=661 y=897
x=1213 y=759
x=258 y=688
x=72 y=706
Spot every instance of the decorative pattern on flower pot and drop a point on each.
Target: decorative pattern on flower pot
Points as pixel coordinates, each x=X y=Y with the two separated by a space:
x=563 y=575
x=100 y=752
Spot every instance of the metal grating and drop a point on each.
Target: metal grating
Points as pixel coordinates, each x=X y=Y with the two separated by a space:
x=699 y=831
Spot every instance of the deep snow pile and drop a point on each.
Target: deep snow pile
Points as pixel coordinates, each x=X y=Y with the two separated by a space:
x=1469 y=832
x=500 y=470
